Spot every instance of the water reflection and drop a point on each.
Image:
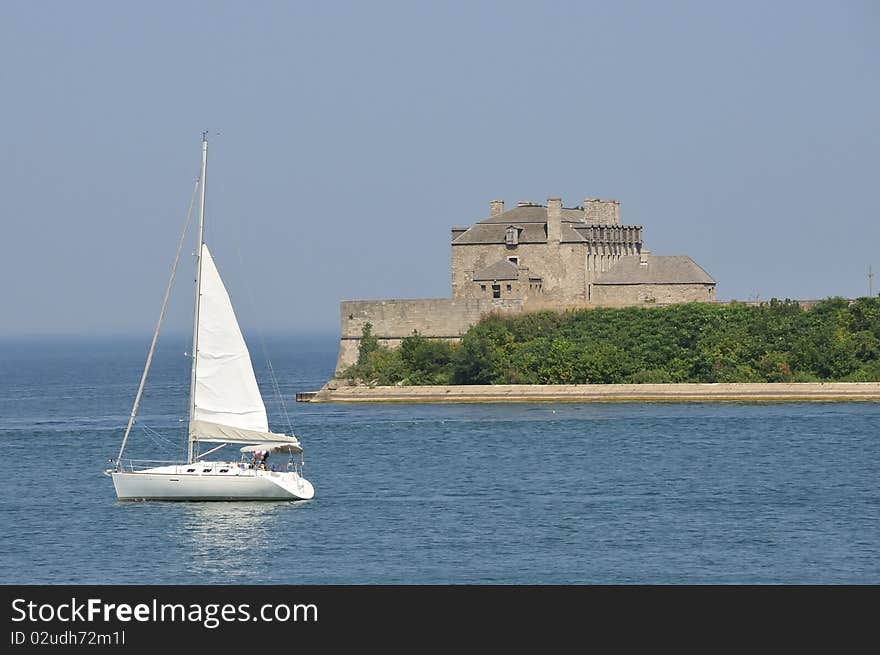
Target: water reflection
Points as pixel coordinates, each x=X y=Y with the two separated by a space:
x=233 y=539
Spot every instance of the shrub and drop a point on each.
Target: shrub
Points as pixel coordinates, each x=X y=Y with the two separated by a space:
x=777 y=341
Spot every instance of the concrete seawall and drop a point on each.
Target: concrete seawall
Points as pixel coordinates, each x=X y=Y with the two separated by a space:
x=340 y=391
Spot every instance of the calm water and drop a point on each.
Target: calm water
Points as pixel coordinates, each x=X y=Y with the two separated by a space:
x=532 y=493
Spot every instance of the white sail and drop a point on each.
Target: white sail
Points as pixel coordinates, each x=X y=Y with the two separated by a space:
x=226 y=391
x=204 y=431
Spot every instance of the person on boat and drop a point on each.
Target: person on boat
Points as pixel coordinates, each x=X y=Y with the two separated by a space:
x=264 y=455
x=254 y=459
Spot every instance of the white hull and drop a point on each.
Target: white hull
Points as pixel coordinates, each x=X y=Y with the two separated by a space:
x=181 y=482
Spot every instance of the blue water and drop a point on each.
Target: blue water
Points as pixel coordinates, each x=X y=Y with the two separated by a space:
x=489 y=493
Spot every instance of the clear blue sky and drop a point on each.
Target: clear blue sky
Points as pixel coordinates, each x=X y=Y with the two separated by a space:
x=352 y=136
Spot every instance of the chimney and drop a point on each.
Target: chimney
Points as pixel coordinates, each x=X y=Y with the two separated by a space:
x=601 y=212
x=643 y=256
x=496 y=207
x=554 y=220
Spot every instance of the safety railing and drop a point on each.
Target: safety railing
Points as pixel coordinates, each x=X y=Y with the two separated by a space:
x=134 y=465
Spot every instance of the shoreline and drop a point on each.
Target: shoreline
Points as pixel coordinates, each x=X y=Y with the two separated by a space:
x=341 y=391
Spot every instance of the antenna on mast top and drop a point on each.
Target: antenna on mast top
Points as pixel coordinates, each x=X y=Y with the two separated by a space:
x=205 y=135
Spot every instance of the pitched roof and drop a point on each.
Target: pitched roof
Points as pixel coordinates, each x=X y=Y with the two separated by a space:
x=500 y=270
x=569 y=234
x=532 y=214
x=661 y=269
x=525 y=214
x=532 y=221
x=495 y=233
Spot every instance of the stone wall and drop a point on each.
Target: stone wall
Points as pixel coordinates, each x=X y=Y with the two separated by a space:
x=391 y=320
x=604 y=212
x=562 y=268
x=661 y=294
x=448 y=319
x=519 y=288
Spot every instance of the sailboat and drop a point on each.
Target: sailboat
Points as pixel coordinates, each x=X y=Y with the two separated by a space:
x=226 y=407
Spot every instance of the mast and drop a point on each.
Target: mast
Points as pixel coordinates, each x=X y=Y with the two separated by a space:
x=195 y=339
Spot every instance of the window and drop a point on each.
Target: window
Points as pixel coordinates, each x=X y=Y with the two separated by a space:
x=511 y=236
x=496 y=290
x=508 y=287
x=190 y=470
x=513 y=260
x=482 y=287
x=206 y=470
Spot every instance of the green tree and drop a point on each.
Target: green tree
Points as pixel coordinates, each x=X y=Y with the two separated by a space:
x=776 y=341
x=427 y=361
x=369 y=344
x=479 y=358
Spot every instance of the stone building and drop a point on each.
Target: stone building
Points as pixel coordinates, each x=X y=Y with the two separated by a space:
x=559 y=255
x=533 y=257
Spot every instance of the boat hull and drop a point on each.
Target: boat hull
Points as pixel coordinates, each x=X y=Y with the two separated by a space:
x=175 y=483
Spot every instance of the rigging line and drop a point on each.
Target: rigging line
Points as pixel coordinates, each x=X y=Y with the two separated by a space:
x=150 y=430
x=275 y=386
x=140 y=391
x=161 y=442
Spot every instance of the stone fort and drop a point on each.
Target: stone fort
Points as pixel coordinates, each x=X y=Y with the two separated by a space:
x=533 y=257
